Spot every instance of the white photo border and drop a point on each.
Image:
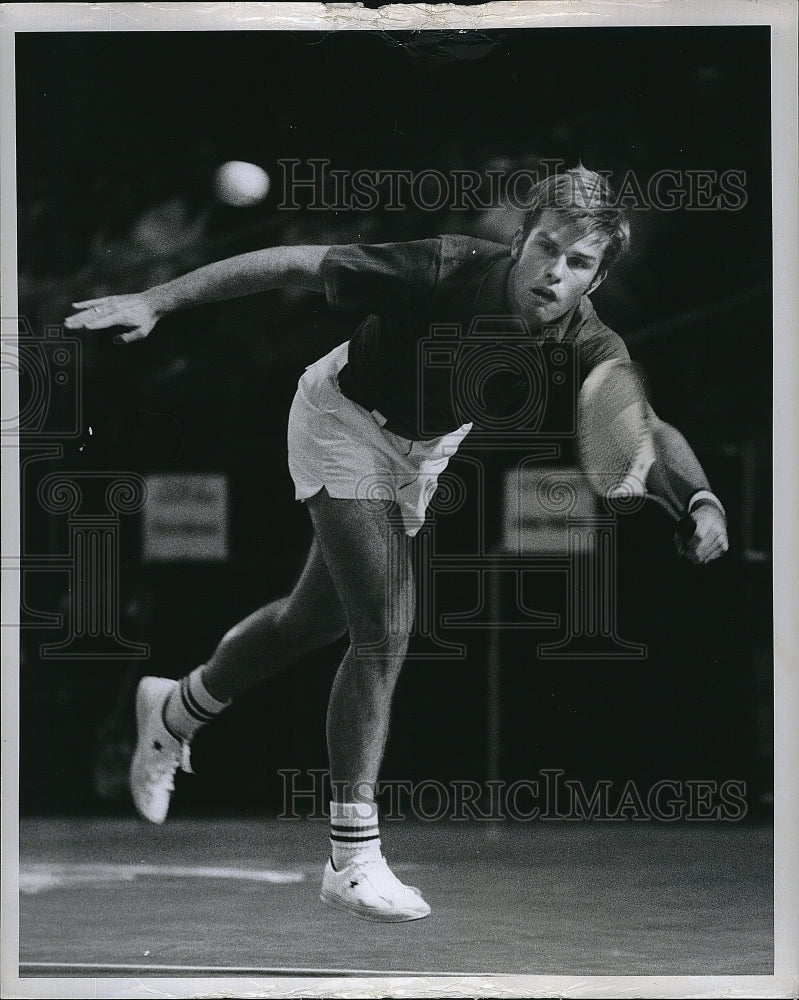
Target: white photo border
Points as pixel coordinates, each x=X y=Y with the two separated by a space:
x=781 y=15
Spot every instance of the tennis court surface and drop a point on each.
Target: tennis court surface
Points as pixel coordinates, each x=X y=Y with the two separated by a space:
x=106 y=897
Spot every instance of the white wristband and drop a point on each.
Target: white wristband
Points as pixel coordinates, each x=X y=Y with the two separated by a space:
x=709 y=497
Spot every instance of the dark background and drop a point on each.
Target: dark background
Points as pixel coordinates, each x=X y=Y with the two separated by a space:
x=118 y=137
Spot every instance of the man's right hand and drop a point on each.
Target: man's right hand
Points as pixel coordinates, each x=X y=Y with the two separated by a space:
x=136 y=312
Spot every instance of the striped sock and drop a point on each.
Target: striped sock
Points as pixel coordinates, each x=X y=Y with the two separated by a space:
x=353 y=830
x=190 y=706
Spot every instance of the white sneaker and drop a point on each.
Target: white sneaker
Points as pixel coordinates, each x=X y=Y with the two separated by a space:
x=368 y=888
x=158 y=754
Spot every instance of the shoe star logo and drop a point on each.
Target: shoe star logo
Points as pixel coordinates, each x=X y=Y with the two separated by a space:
x=353 y=883
x=158 y=745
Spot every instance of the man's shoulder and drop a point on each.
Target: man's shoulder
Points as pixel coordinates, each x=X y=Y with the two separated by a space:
x=455 y=247
x=464 y=259
x=588 y=322
x=595 y=339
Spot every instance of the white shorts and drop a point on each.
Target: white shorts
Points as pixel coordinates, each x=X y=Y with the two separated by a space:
x=336 y=444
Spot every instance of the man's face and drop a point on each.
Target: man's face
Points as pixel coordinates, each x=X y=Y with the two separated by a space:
x=555 y=266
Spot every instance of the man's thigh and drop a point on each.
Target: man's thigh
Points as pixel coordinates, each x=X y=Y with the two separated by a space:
x=314 y=600
x=368 y=557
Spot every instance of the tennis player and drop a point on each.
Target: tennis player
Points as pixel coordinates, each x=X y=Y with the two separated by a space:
x=355 y=436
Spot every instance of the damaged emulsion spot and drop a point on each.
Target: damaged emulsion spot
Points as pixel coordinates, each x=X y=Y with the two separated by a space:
x=444 y=46
x=434 y=46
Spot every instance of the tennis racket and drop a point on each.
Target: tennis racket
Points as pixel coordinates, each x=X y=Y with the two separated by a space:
x=617 y=448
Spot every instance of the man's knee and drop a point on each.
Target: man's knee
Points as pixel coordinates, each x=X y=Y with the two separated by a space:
x=382 y=635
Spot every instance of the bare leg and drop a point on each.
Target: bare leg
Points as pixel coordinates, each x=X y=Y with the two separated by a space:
x=367 y=553
x=277 y=634
x=267 y=641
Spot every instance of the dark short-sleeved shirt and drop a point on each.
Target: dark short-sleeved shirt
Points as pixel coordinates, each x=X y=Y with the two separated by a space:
x=436 y=346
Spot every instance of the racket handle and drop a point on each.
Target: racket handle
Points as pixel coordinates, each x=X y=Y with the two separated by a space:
x=686 y=526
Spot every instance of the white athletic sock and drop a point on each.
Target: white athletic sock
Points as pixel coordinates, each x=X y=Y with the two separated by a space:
x=353 y=830
x=190 y=706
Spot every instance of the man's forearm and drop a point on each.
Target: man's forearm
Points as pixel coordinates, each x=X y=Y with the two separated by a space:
x=259 y=271
x=678 y=463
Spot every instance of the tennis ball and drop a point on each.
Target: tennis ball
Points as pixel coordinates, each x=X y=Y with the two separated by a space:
x=240 y=183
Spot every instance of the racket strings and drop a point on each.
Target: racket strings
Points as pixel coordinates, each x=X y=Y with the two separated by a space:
x=616 y=446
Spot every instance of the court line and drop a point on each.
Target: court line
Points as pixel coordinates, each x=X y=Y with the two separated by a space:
x=42 y=876
x=119 y=968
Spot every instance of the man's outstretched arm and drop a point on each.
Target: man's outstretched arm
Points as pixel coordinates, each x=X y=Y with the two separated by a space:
x=687 y=479
x=259 y=271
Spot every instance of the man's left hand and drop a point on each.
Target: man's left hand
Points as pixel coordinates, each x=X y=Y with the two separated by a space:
x=709 y=540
